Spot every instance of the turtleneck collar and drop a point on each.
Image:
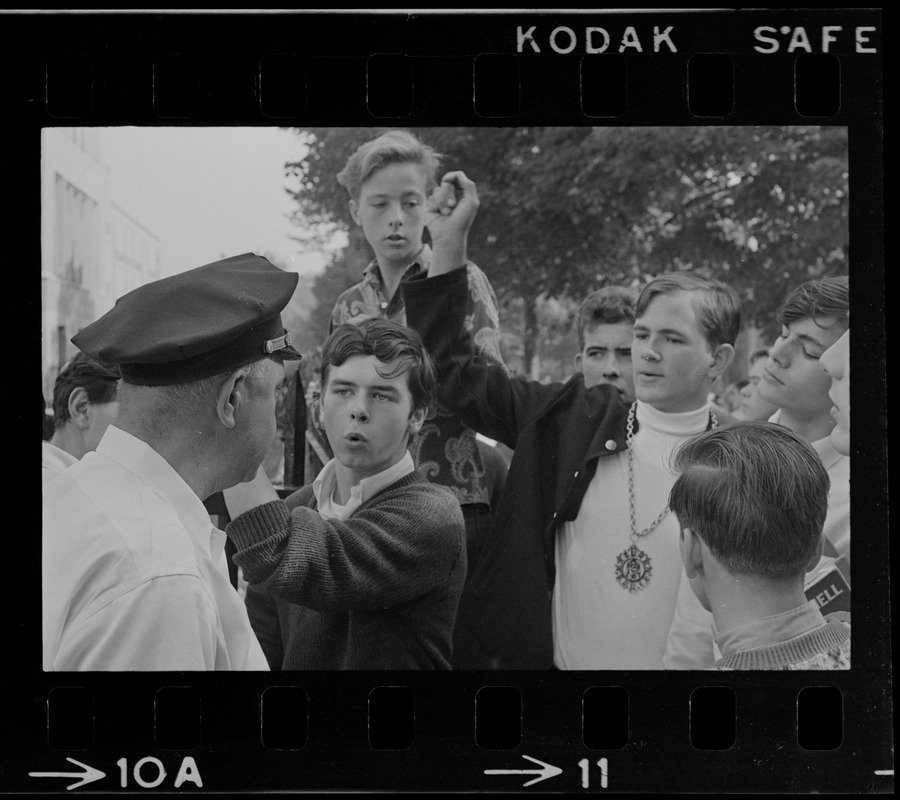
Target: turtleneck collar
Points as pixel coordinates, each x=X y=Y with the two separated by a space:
x=679 y=423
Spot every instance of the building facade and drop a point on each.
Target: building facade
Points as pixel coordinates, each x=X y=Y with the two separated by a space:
x=92 y=249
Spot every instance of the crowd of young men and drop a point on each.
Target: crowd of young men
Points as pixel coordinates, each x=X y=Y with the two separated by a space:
x=596 y=555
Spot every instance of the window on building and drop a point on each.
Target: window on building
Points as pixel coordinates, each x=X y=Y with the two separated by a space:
x=77 y=231
x=61 y=341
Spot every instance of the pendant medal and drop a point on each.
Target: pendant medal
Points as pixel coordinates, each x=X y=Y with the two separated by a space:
x=633 y=569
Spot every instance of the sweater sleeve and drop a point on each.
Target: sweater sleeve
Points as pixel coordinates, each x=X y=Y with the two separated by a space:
x=262 y=610
x=479 y=389
x=398 y=546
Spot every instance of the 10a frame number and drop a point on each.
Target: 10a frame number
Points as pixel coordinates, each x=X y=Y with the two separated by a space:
x=149 y=772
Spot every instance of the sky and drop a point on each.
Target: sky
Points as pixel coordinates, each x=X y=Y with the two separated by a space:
x=209 y=192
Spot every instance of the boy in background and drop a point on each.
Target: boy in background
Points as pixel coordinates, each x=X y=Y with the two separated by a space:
x=751 y=501
x=364 y=568
x=753 y=407
x=84 y=405
x=605 y=331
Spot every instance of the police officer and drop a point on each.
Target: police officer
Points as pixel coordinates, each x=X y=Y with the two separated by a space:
x=134 y=573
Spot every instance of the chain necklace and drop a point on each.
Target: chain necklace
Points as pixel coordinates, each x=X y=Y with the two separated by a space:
x=633 y=567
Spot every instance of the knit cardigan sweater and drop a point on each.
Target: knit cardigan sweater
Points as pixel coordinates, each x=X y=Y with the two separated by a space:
x=826 y=647
x=377 y=591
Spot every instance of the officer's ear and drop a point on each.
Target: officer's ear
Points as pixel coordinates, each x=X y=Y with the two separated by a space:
x=231 y=395
x=354 y=211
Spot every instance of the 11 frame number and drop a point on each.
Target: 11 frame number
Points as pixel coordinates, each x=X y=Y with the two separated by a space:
x=585 y=774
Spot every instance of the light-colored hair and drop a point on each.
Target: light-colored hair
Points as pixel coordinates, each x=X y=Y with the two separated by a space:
x=756 y=493
x=393 y=147
x=716 y=304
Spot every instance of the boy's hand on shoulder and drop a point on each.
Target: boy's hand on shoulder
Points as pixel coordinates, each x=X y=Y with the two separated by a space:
x=450 y=211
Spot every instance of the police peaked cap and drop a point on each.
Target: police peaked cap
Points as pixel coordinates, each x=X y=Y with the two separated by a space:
x=198 y=323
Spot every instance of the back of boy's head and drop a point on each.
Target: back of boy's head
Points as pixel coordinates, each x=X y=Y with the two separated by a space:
x=756 y=493
x=390 y=343
x=815 y=299
x=607 y=306
x=717 y=305
x=393 y=147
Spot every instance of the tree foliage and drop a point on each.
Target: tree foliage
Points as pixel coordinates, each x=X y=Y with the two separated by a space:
x=565 y=210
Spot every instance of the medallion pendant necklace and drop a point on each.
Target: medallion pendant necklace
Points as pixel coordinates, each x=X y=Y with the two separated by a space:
x=633 y=567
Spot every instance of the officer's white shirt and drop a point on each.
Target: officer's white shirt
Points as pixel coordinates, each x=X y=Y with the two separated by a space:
x=134 y=573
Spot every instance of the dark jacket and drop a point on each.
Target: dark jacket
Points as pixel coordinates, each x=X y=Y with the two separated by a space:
x=558 y=431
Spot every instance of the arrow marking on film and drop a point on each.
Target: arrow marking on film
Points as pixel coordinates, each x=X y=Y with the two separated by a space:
x=546 y=771
x=88 y=776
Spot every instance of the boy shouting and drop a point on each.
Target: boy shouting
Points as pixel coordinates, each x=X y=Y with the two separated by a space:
x=364 y=568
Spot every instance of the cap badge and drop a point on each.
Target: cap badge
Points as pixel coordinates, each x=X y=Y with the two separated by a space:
x=279 y=343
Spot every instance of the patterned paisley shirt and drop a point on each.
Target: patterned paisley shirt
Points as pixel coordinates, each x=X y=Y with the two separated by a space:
x=444 y=450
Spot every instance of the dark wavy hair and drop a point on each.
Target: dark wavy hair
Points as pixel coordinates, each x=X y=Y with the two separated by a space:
x=98 y=380
x=815 y=299
x=756 y=493
x=390 y=343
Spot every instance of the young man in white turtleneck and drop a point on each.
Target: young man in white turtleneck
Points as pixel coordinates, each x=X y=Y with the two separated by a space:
x=583 y=568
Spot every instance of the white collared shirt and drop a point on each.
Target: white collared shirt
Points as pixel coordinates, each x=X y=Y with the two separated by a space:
x=54 y=460
x=837 y=520
x=134 y=573
x=326 y=482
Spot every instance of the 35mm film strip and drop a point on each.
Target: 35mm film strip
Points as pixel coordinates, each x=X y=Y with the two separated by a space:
x=463 y=731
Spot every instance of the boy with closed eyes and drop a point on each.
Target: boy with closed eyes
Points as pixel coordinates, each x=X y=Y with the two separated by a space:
x=813 y=318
